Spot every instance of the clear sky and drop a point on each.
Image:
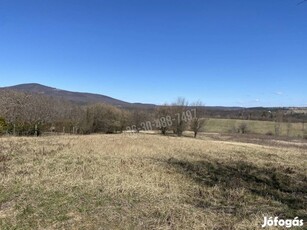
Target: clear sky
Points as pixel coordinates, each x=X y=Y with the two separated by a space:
x=231 y=53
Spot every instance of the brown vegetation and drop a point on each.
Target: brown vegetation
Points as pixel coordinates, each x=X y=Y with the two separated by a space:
x=147 y=182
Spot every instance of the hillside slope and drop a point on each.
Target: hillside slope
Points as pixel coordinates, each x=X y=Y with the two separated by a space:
x=75 y=97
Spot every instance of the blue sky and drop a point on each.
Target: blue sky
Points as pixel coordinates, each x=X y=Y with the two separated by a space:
x=231 y=53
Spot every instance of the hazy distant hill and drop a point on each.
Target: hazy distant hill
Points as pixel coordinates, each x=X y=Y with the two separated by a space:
x=75 y=97
x=78 y=98
x=88 y=98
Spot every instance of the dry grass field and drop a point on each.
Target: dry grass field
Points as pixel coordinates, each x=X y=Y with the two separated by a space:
x=147 y=182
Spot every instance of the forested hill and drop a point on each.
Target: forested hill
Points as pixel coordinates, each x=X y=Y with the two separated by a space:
x=74 y=97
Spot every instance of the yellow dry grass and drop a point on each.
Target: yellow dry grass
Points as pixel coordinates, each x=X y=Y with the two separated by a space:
x=147 y=182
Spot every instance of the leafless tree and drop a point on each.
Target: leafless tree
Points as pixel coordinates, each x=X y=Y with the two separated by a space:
x=197 y=123
x=25 y=111
x=162 y=112
x=137 y=117
x=178 y=109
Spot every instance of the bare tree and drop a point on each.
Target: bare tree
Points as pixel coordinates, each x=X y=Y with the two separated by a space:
x=26 y=112
x=137 y=117
x=197 y=123
x=178 y=109
x=162 y=113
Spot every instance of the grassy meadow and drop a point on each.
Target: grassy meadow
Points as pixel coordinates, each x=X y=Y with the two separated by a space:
x=147 y=182
x=258 y=127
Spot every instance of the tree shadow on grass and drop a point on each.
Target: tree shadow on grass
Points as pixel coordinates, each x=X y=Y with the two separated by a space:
x=285 y=187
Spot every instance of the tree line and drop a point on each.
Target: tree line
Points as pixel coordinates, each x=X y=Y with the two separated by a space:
x=32 y=114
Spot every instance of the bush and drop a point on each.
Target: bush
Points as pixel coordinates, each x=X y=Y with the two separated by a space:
x=242 y=128
x=25 y=129
x=103 y=118
x=270 y=133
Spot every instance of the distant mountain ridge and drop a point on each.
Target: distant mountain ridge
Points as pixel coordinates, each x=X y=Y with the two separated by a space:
x=82 y=98
x=75 y=97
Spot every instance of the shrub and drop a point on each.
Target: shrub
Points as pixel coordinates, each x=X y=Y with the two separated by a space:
x=23 y=129
x=242 y=128
x=270 y=133
x=103 y=118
